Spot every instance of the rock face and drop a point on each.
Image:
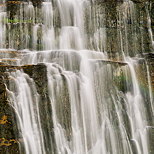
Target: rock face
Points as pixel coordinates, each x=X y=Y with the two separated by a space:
x=113 y=20
x=127 y=27
x=150 y=60
x=39 y=74
x=9 y=139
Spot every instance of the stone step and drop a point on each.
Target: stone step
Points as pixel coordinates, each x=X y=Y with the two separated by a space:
x=149 y=55
x=9 y=53
x=10 y=61
x=108 y=61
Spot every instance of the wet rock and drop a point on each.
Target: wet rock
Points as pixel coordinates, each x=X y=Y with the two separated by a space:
x=151 y=138
x=37 y=3
x=141 y=1
x=39 y=74
x=8 y=127
x=124 y=28
x=12 y=8
x=9 y=146
x=2 y=88
x=150 y=61
x=9 y=133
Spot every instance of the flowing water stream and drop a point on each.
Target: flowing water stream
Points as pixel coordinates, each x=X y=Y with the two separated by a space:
x=96 y=104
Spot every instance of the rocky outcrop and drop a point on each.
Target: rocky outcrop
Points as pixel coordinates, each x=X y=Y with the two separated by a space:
x=39 y=74
x=9 y=135
x=10 y=139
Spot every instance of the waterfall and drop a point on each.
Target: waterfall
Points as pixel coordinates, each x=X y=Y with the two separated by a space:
x=72 y=92
x=2 y=25
x=25 y=100
x=136 y=111
x=149 y=27
x=150 y=87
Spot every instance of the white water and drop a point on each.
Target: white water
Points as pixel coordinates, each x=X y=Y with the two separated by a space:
x=89 y=133
x=150 y=88
x=25 y=100
x=90 y=114
x=149 y=26
x=2 y=25
x=137 y=113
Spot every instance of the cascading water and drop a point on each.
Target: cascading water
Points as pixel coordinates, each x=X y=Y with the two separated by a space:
x=2 y=25
x=96 y=105
x=25 y=100
x=149 y=27
x=136 y=112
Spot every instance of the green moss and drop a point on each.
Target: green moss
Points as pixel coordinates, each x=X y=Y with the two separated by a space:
x=15 y=20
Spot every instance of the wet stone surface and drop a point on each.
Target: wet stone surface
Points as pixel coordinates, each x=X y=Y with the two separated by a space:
x=10 y=139
x=9 y=135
